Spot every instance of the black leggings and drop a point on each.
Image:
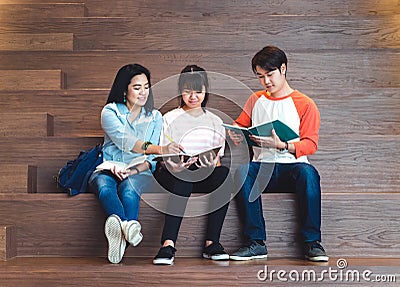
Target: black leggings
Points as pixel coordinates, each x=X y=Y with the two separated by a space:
x=219 y=178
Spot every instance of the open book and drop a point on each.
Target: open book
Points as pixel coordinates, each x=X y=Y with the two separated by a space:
x=283 y=131
x=108 y=164
x=177 y=156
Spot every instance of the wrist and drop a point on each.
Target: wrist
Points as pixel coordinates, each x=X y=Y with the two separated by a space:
x=284 y=147
x=146 y=145
x=135 y=169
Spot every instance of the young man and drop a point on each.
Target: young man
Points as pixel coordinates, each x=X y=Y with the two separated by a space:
x=279 y=166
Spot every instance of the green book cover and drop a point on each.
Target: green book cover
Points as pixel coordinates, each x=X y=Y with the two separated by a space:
x=283 y=131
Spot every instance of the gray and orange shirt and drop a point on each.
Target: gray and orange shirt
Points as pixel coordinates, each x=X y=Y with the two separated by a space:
x=296 y=110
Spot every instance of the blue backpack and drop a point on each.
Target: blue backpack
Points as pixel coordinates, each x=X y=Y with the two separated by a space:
x=73 y=177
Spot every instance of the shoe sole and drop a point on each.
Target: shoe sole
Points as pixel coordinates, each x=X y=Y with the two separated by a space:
x=115 y=238
x=242 y=258
x=318 y=258
x=134 y=237
x=216 y=257
x=163 y=261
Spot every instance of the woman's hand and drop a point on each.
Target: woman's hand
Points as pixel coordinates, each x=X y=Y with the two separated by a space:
x=269 y=142
x=181 y=165
x=235 y=137
x=209 y=161
x=171 y=148
x=121 y=174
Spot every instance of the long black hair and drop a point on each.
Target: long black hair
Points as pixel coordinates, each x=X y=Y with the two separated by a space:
x=193 y=78
x=123 y=79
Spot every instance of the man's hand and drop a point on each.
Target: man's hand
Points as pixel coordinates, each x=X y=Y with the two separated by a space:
x=269 y=142
x=235 y=137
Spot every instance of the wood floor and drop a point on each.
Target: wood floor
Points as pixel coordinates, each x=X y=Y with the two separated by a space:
x=97 y=272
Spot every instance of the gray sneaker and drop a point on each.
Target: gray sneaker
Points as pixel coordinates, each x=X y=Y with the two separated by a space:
x=315 y=252
x=132 y=232
x=115 y=238
x=253 y=250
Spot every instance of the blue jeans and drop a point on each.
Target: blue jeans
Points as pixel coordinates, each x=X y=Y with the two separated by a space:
x=120 y=197
x=299 y=178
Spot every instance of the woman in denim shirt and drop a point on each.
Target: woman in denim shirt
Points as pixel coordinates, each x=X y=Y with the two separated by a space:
x=132 y=128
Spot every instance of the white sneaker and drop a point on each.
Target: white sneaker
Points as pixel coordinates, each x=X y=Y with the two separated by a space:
x=115 y=238
x=132 y=233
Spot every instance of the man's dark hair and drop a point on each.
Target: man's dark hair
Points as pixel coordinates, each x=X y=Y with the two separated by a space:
x=269 y=58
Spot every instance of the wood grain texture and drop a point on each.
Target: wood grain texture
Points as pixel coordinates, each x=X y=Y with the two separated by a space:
x=362 y=111
x=45 y=150
x=345 y=232
x=249 y=8
x=347 y=165
x=328 y=69
x=358 y=164
x=18 y=178
x=36 y=42
x=358 y=112
x=76 y=112
x=351 y=164
x=26 y=124
x=96 y=272
x=343 y=54
x=361 y=139
x=8 y=242
x=242 y=34
x=30 y=12
x=31 y=79
x=253 y=8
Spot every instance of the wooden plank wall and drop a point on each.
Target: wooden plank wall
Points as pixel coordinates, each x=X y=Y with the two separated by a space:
x=59 y=58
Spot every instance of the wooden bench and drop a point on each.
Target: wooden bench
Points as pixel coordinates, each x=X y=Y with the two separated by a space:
x=58 y=225
x=76 y=112
x=18 y=178
x=8 y=242
x=19 y=124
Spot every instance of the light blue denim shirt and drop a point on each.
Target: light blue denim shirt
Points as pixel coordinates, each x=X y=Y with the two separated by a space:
x=120 y=135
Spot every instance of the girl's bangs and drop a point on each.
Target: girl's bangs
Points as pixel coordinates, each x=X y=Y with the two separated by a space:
x=191 y=81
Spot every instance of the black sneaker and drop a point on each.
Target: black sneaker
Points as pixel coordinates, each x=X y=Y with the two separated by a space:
x=253 y=250
x=215 y=251
x=165 y=256
x=315 y=252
